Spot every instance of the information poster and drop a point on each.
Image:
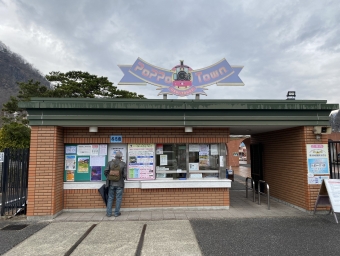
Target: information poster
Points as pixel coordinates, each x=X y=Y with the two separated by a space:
x=204 y=159
x=83 y=164
x=159 y=149
x=71 y=149
x=95 y=150
x=84 y=150
x=317 y=159
x=163 y=160
x=70 y=175
x=70 y=163
x=96 y=173
x=194 y=148
x=114 y=148
x=141 y=161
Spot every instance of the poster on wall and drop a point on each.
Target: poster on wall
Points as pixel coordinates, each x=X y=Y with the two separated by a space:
x=114 y=148
x=141 y=161
x=84 y=150
x=70 y=175
x=103 y=149
x=163 y=159
x=95 y=150
x=316 y=179
x=71 y=149
x=83 y=164
x=159 y=149
x=70 y=163
x=317 y=159
x=96 y=173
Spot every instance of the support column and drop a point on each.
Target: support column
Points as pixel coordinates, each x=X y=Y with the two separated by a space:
x=46 y=172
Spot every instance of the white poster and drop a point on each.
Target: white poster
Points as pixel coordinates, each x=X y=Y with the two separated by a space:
x=70 y=163
x=95 y=150
x=194 y=148
x=71 y=149
x=317 y=158
x=316 y=179
x=221 y=161
x=141 y=161
x=204 y=148
x=214 y=149
x=163 y=160
x=103 y=149
x=84 y=150
x=97 y=160
x=193 y=167
x=113 y=148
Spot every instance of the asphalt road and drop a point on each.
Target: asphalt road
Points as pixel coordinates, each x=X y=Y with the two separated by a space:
x=268 y=236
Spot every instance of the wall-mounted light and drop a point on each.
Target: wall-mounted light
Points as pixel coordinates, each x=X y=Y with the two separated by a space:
x=188 y=129
x=318 y=137
x=93 y=129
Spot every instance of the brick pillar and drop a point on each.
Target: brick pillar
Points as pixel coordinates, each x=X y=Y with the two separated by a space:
x=45 y=177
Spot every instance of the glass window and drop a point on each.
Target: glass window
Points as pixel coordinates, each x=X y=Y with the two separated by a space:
x=171 y=161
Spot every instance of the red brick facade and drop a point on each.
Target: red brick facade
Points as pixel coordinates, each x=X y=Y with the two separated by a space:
x=285 y=165
x=46 y=195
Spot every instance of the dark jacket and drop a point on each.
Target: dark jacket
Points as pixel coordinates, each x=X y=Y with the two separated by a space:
x=122 y=165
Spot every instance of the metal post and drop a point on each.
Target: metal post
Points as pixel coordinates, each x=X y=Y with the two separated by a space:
x=259 y=191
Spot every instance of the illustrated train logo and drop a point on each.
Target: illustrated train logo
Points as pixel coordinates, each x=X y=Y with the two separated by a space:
x=182 y=77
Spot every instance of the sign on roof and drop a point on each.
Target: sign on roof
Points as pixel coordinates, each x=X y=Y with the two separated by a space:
x=181 y=80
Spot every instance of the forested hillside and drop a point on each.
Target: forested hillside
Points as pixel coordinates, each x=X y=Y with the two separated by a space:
x=13 y=69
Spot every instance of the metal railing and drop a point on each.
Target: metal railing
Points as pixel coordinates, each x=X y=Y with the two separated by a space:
x=14 y=181
x=259 y=191
x=253 y=187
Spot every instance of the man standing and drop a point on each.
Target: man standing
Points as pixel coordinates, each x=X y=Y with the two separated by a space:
x=116 y=185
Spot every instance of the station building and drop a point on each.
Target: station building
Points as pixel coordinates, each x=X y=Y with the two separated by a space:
x=176 y=150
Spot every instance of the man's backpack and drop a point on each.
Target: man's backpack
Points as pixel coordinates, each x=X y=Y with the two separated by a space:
x=114 y=173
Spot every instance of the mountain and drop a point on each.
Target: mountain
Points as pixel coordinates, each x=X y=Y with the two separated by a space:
x=13 y=69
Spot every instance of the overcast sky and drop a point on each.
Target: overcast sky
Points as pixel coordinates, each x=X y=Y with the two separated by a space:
x=283 y=45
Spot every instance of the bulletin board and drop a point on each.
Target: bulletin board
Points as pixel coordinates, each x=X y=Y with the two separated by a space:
x=85 y=162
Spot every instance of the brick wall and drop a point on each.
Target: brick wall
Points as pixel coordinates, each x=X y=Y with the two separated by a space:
x=46 y=195
x=45 y=180
x=147 y=135
x=150 y=198
x=285 y=164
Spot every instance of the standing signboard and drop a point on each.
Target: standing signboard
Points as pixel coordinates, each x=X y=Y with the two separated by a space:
x=329 y=195
x=141 y=162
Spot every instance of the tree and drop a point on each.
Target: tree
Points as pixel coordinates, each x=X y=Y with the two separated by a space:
x=14 y=135
x=78 y=84
x=11 y=111
x=74 y=84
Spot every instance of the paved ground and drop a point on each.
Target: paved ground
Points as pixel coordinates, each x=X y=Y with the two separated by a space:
x=245 y=229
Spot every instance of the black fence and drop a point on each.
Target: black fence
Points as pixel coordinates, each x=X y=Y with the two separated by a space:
x=334 y=159
x=14 y=180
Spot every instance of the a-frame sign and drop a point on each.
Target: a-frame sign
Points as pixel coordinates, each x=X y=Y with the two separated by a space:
x=329 y=196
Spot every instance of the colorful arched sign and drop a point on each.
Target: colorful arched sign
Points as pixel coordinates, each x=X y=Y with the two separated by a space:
x=181 y=80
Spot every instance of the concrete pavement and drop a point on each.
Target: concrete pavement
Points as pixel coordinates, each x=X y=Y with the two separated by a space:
x=245 y=229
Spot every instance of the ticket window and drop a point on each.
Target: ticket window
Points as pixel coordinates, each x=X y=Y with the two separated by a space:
x=171 y=161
